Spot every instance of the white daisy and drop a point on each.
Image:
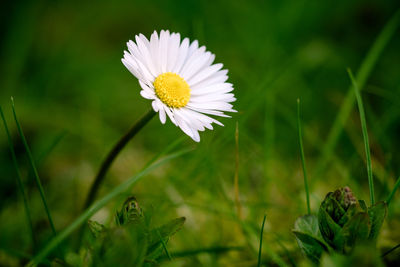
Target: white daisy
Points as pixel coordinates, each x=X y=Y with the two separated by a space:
x=181 y=79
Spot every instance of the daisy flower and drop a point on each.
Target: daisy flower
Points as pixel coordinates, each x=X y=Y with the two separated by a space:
x=181 y=80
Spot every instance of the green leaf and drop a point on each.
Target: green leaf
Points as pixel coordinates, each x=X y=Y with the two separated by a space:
x=165 y=232
x=356 y=229
x=377 y=214
x=308 y=237
x=330 y=230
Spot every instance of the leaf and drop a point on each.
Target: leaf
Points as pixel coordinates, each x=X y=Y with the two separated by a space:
x=165 y=232
x=308 y=237
x=377 y=214
x=356 y=229
x=330 y=230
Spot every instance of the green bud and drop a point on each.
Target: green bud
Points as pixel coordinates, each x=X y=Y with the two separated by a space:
x=342 y=221
x=130 y=212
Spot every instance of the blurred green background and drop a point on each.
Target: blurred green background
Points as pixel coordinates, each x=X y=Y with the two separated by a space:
x=61 y=61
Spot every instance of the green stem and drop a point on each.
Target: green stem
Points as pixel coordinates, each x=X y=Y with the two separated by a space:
x=19 y=179
x=261 y=238
x=365 y=136
x=396 y=186
x=114 y=153
x=35 y=172
x=303 y=162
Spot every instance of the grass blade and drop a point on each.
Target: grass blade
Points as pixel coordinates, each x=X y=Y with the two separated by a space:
x=303 y=161
x=261 y=238
x=35 y=172
x=365 y=135
x=363 y=73
x=125 y=186
x=396 y=186
x=390 y=250
x=19 y=178
x=236 y=178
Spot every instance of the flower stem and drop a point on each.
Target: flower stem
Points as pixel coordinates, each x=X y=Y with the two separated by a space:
x=114 y=153
x=365 y=135
x=303 y=161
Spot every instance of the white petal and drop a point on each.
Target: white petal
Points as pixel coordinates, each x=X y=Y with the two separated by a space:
x=147 y=95
x=154 y=44
x=163 y=50
x=218 y=77
x=195 y=65
x=219 y=88
x=204 y=74
x=162 y=115
x=155 y=106
x=143 y=46
x=182 y=54
x=213 y=97
x=173 y=50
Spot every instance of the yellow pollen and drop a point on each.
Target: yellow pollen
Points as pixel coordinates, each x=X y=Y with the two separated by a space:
x=172 y=90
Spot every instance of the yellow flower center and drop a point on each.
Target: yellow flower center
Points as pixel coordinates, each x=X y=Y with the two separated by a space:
x=172 y=90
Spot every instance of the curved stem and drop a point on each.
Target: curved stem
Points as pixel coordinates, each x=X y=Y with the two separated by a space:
x=114 y=153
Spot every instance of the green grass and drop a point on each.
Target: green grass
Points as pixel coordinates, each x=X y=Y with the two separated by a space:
x=365 y=136
x=261 y=238
x=74 y=99
x=33 y=166
x=303 y=161
x=19 y=179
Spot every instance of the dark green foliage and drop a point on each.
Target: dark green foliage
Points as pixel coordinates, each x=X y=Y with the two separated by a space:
x=377 y=214
x=132 y=242
x=343 y=222
x=309 y=238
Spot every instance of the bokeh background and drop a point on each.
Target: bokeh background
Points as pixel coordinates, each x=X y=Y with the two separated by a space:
x=60 y=60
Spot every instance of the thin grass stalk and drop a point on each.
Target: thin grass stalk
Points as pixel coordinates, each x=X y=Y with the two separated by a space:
x=19 y=180
x=261 y=239
x=396 y=186
x=365 y=136
x=303 y=161
x=35 y=172
x=236 y=178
